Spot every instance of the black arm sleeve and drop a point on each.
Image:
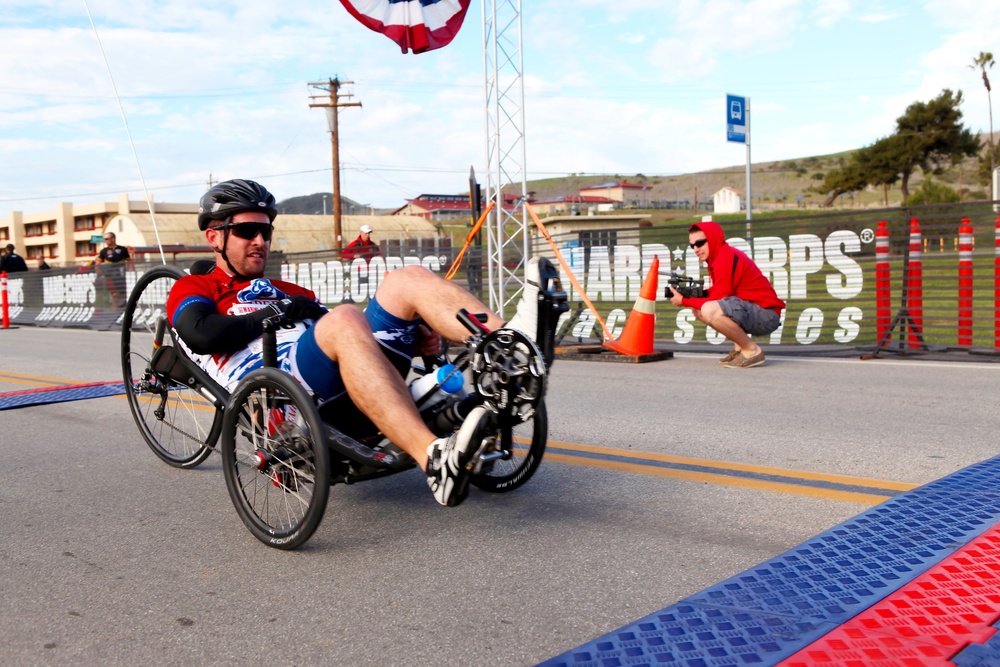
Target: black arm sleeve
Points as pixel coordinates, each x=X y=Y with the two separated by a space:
x=207 y=332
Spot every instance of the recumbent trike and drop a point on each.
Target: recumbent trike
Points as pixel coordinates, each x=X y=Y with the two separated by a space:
x=280 y=456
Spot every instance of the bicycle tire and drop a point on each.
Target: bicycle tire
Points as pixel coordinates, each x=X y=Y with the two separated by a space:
x=275 y=458
x=505 y=475
x=180 y=426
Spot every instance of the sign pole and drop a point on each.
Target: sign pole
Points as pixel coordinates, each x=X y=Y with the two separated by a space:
x=738 y=131
x=749 y=181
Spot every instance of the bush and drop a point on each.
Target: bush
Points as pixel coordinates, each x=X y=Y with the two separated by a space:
x=931 y=193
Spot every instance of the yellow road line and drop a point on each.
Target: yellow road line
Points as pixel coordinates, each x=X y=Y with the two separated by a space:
x=722 y=480
x=657 y=471
x=24 y=379
x=741 y=467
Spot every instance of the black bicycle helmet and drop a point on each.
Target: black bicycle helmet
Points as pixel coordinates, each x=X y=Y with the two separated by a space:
x=236 y=196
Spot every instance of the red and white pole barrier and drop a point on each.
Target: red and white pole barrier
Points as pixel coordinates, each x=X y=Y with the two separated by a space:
x=965 y=283
x=915 y=286
x=5 y=302
x=996 y=289
x=883 y=294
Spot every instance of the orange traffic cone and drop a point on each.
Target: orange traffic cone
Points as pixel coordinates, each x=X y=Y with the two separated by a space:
x=637 y=337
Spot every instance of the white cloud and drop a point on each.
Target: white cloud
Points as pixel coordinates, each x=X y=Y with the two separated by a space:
x=623 y=88
x=829 y=12
x=632 y=38
x=877 y=18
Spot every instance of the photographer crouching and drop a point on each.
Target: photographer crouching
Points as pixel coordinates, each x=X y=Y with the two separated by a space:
x=740 y=303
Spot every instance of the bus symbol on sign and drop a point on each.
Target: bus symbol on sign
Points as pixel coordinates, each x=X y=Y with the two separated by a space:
x=737 y=124
x=735 y=110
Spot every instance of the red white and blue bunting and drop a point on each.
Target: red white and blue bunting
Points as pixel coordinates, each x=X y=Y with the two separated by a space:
x=416 y=25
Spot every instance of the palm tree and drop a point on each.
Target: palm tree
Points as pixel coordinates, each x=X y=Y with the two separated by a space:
x=984 y=62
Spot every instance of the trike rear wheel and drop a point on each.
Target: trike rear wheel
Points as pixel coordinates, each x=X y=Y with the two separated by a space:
x=180 y=425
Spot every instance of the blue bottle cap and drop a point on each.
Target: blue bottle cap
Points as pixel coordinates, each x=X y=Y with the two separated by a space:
x=453 y=383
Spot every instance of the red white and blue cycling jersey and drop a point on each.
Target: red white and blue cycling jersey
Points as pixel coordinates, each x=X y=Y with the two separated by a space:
x=237 y=297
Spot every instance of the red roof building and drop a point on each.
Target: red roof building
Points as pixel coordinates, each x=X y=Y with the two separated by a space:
x=442 y=207
x=625 y=193
x=573 y=205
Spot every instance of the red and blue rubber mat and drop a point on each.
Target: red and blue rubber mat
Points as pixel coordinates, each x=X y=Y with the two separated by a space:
x=914 y=581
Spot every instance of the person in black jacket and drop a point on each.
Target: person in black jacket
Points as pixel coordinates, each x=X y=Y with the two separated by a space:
x=12 y=262
x=114 y=257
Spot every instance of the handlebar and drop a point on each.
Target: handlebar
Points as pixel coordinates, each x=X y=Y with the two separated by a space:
x=474 y=323
x=270 y=341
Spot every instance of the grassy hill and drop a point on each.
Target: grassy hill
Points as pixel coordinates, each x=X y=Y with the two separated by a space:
x=784 y=184
x=777 y=186
x=313 y=205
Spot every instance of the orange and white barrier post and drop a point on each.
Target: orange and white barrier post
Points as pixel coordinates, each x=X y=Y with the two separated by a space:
x=996 y=289
x=965 y=283
x=915 y=285
x=883 y=293
x=5 y=299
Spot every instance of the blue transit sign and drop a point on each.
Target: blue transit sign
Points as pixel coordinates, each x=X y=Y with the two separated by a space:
x=736 y=118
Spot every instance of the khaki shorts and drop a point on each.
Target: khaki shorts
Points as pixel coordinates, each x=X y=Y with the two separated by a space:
x=755 y=320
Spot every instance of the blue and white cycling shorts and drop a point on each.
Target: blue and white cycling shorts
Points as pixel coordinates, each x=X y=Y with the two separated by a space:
x=321 y=375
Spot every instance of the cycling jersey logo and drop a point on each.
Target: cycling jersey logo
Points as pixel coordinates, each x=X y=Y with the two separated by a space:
x=260 y=288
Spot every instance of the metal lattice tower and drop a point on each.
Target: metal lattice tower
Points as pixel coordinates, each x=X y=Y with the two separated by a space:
x=506 y=228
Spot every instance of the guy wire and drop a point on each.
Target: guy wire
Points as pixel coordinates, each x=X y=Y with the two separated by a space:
x=135 y=154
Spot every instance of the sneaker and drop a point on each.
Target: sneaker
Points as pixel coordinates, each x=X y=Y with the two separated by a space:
x=525 y=318
x=451 y=461
x=729 y=357
x=746 y=362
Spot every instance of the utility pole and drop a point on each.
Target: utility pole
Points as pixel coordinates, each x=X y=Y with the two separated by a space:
x=332 y=87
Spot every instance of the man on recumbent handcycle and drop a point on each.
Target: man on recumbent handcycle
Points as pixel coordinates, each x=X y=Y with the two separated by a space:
x=339 y=354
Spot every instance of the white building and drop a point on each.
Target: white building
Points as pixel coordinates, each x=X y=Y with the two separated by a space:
x=727 y=200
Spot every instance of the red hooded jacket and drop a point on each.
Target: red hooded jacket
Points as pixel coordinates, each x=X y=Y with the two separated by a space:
x=733 y=273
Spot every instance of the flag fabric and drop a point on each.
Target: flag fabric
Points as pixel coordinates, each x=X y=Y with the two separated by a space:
x=416 y=25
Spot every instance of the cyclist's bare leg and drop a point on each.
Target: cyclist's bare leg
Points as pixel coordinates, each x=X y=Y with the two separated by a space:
x=373 y=384
x=413 y=291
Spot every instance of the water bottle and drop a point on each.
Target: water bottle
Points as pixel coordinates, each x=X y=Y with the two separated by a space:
x=436 y=386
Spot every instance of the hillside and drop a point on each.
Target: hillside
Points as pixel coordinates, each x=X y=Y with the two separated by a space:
x=775 y=185
x=313 y=205
x=783 y=184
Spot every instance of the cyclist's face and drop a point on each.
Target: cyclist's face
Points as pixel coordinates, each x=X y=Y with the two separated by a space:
x=248 y=256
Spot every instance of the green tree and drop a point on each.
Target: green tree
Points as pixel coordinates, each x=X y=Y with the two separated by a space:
x=882 y=162
x=932 y=137
x=984 y=175
x=983 y=62
x=931 y=193
x=839 y=181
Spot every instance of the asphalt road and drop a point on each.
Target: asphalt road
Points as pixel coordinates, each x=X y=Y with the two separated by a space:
x=662 y=479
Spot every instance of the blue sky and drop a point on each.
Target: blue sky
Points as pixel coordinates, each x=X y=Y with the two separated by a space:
x=628 y=87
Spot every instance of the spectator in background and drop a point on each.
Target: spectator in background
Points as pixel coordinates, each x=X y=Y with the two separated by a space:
x=115 y=256
x=740 y=303
x=42 y=264
x=11 y=262
x=363 y=246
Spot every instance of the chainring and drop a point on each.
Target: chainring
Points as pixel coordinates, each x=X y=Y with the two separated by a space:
x=509 y=374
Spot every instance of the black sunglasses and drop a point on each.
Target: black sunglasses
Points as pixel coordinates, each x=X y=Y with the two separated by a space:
x=250 y=230
x=699 y=243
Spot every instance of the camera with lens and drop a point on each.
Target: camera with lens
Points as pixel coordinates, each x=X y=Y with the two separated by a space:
x=686 y=286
